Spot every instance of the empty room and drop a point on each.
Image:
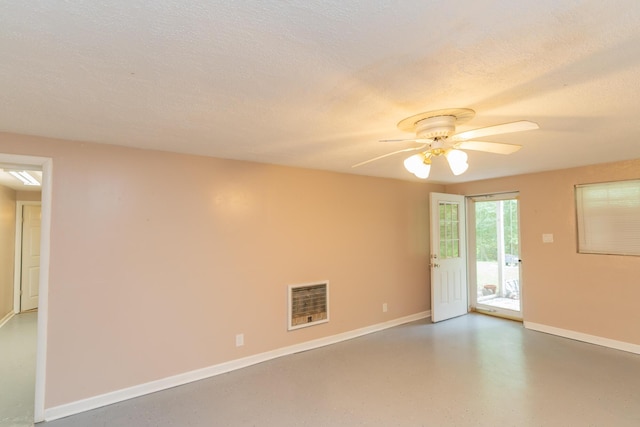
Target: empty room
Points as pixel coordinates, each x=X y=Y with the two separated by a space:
x=319 y=213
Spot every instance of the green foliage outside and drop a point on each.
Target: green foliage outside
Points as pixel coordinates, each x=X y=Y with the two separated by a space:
x=487 y=229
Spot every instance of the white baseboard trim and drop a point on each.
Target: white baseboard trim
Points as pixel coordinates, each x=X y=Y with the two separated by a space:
x=579 y=336
x=76 y=407
x=6 y=318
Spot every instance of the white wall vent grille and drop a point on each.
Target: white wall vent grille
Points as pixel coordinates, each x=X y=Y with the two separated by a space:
x=308 y=304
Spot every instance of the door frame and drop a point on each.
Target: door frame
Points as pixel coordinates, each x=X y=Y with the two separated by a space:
x=17 y=269
x=46 y=165
x=471 y=253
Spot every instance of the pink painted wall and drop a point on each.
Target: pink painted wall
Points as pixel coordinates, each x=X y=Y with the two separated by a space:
x=158 y=260
x=7 y=248
x=591 y=294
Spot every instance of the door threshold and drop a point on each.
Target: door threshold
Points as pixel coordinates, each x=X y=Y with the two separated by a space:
x=496 y=313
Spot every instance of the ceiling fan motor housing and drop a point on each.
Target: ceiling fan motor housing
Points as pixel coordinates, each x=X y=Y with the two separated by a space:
x=437 y=123
x=436 y=127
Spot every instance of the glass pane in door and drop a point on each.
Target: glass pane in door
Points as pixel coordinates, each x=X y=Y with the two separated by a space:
x=497 y=255
x=449 y=230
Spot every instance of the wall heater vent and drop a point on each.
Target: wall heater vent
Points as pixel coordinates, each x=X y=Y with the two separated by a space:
x=308 y=304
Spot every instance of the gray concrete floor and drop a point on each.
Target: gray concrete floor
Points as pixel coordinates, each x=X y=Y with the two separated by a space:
x=18 y=370
x=474 y=370
x=470 y=371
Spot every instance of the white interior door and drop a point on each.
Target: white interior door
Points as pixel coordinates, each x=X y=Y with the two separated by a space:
x=448 y=257
x=30 y=269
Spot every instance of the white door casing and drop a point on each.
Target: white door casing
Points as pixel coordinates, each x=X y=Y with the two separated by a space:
x=449 y=288
x=30 y=259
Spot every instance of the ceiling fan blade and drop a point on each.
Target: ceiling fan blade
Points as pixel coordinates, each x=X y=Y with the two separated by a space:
x=389 y=154
x=489 y=147
x=518 y=126
x=422 y=140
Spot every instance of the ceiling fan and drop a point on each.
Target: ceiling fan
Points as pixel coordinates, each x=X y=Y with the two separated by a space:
x=435 y=130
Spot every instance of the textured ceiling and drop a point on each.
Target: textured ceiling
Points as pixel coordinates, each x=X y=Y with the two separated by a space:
x=316 y=84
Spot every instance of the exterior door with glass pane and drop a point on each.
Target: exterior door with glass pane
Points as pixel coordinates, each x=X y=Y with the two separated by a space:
x=494 y=262
x=448 y=257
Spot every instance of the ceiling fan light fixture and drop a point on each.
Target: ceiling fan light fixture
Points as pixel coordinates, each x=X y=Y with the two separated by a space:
x=423 y=171
x=419 y=165
x=457 y=160
x=413 y=163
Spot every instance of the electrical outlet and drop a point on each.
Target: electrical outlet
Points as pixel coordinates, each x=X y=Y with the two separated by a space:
x=239 y=340
x=384 y=307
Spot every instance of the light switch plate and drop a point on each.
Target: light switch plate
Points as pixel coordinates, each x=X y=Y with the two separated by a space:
x=547 y=238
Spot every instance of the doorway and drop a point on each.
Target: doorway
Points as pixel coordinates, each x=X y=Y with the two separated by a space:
x=41 y=283
x=27 y=256
x=494 y=265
